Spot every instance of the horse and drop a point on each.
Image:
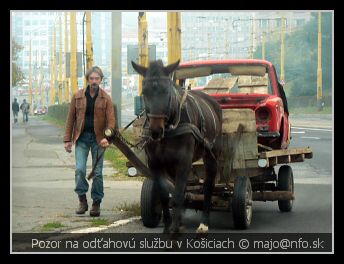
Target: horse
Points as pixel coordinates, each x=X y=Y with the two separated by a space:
x=183 y=126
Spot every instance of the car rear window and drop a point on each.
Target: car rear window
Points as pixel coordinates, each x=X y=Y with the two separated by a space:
x=229 y=83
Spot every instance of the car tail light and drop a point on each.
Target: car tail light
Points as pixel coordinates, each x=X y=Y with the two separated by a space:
x=263 y=114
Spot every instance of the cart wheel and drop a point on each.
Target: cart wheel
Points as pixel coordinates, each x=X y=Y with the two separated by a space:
x=242 y=203
x=150 y=204
x=285 y=183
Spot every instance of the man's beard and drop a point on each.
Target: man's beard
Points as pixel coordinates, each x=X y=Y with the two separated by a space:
x=94 y=87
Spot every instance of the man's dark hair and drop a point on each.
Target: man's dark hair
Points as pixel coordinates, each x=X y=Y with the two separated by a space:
x=95 y=69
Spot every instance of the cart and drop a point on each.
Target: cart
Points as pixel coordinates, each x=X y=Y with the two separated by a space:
x=246 y=173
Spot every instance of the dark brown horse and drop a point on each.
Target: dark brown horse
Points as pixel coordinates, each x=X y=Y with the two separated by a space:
x=184 y=126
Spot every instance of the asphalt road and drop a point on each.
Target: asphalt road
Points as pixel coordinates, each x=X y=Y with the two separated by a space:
x=43 y=180
x=312 y=211
x=320 y=140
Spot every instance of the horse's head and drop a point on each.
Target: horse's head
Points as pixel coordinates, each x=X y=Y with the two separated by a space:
x=157 y=90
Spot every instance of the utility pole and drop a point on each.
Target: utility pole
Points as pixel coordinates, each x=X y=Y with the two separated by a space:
x=52 y=84
x=60 y=62
x=252 y=36
x=116 y=66
x=30 y=80
x=320 y=104
x=143 y=45
x=66 y=86
x=36 y=80
x=54 y=69
x=73 y=53
x=263 y=45
x=226 y=42
x=89 y=48
x=174 y=36
x=282 y=52
x=208 y=39
x=41 y=86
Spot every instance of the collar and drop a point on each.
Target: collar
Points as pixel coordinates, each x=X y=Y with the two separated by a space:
x=82 y=93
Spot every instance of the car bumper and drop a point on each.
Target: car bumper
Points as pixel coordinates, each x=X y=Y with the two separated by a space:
x=269 y=134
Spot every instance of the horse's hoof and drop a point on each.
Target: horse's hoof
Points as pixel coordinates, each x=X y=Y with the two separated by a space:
x=182 y=229
x=175 y=234
x=202 y=229
x=166 y=230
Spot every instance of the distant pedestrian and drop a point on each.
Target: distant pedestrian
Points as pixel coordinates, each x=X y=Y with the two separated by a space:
x=15 y=110
x=25 y=107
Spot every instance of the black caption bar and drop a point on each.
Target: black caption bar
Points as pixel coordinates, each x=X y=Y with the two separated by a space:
x=212 y=242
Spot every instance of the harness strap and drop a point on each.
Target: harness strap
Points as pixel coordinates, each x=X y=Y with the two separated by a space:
x=183 y=128
x=203 y=129
x=182 y=101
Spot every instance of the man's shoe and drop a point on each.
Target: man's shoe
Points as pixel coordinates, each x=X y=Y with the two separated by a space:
x=83 y=206
x=95 y=210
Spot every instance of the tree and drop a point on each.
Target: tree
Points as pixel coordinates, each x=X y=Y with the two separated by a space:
x=17 y=73
x=301 y=57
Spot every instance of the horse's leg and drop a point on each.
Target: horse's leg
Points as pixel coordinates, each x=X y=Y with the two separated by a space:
x=164 y=198
x=210 y=170
x=182 y=173
x=162 y=189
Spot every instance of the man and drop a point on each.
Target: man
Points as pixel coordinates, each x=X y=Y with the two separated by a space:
x=90 y=113
x=25 y=107
x=15 y=110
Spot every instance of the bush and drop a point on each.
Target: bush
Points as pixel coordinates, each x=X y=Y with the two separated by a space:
x=59 y=112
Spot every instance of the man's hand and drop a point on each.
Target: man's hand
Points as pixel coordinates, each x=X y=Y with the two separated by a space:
x=104 y=143
x=68 y=146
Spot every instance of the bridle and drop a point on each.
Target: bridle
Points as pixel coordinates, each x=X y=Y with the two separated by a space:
x=176 y=103
x=175 y=100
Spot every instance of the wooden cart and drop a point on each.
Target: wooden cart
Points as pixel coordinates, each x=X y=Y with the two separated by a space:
x=246 y=173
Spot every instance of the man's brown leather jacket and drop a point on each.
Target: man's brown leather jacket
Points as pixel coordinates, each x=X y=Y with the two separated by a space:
x=104 y=116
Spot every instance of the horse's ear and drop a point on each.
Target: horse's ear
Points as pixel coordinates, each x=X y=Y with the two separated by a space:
x=139 y=69
x=171 y=68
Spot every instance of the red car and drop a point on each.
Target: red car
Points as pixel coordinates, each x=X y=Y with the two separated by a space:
x=244 y=83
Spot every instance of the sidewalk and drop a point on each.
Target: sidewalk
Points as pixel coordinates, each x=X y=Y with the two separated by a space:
x=311 y=120
x=43 y=182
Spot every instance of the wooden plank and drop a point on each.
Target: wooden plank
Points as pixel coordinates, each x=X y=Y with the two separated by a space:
x=298 y=158
x=242 y=147
x=283 y=159
x=221 y=83
x=252 y=163
x=283 y=152
x=250 y=172
x=231 y=118
x=273 y=196
x=199 y=197
x=272 y=161
x=308 y=155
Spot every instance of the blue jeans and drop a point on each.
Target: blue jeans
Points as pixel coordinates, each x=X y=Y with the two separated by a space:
x=15 y=116
x=85 y=142
x=25 y=116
